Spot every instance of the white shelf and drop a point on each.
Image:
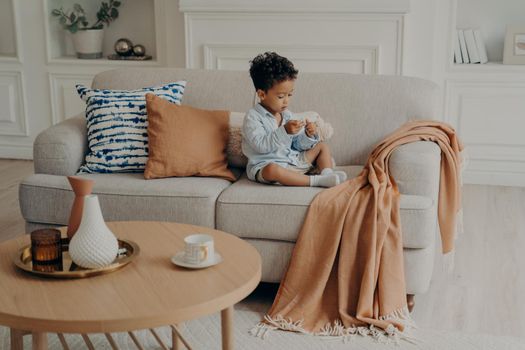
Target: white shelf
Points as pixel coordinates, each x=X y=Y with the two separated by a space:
x=487 y=68
x=72 y=60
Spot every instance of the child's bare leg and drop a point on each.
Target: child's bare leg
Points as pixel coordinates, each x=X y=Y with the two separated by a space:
x=274 y=172
x=320 y=155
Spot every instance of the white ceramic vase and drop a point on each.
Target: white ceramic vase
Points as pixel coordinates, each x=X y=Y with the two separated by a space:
x=93 y=245
x=88 y=43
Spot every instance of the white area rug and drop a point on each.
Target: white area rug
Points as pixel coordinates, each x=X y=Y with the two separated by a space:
x=205 y=333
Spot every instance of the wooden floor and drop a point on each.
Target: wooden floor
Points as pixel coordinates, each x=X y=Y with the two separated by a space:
x=485 y=293
x=11 y=173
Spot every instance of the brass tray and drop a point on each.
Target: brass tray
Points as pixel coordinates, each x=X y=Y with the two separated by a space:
x=128 y=250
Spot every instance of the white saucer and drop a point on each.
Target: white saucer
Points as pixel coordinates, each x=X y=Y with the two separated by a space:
x=178 y=259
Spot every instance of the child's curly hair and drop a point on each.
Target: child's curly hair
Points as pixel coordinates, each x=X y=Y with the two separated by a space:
x=269 y=68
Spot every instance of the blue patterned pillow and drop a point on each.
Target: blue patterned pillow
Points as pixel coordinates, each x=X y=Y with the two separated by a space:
x=117 y=127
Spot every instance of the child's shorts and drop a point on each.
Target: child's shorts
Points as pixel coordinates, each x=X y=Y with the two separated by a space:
x=303 y=167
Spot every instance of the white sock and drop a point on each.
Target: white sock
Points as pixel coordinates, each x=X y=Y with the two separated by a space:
x=340 y=174
x=328 y=180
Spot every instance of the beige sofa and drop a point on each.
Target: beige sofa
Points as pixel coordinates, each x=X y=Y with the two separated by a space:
x=362 y=109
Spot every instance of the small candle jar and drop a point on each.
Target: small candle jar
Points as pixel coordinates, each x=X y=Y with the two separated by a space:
x=46 y=248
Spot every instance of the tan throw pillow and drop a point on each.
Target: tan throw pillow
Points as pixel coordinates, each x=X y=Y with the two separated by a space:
x=186 y=141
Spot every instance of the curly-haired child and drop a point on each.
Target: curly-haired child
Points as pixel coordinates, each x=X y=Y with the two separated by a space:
x=279 y=148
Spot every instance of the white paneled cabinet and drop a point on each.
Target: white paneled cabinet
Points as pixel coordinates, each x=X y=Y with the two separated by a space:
x=485 y=102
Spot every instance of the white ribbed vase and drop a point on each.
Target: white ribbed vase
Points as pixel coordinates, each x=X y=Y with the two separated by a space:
x=93 y=245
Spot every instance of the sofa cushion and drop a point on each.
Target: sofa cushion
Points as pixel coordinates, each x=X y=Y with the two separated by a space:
x=117 y=123
x=186 y=141
x=253 y=210
x=48 y=198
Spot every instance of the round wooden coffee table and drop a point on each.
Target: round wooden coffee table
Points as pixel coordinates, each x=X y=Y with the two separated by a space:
x=148 y=293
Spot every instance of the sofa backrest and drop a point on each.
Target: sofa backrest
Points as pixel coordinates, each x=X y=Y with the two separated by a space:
x=361 y=108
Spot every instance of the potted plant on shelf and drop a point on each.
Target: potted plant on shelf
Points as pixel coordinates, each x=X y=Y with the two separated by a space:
x=87 y=39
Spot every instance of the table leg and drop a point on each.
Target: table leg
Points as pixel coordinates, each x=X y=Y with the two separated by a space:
x=176 y=343
x=39 y=340
x=227 y=328
x=17 y=339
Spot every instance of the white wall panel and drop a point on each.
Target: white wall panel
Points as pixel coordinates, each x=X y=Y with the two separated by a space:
x=490 y=119
x=65 y=101
x=321 y=58
x=12 y=112
x=290 y=32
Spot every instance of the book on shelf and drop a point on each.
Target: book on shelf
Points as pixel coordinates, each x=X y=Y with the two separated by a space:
x=471 y=46
x=457 y=49
x=463 y=46
x=480 y=44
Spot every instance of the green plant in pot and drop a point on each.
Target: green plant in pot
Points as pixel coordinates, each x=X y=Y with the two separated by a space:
x=87 y=39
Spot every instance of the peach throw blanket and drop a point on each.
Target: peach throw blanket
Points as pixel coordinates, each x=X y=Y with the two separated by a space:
x=346 y=273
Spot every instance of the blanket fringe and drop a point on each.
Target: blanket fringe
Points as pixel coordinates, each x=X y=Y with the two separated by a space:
x=337 y=330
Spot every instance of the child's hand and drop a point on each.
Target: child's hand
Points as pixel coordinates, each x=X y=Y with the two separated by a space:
x=310 y=129
x=293 y=126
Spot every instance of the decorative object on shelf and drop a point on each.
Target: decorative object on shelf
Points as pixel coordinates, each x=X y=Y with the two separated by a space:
x=123 y=47
x=469 y=46
x=514 y=50
x=81 y=187
x=128 y=251
x=139 y=50
x=93 y=245
x=129 y=58
x=125 y=50
x=87 y=39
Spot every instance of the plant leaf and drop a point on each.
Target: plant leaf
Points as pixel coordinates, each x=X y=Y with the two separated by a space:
x=55 y=12
x=78 y=8
x=116 y=3
x=114 y=13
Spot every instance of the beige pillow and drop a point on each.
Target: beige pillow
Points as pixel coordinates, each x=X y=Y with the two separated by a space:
x=234 y=150
x=186 y=141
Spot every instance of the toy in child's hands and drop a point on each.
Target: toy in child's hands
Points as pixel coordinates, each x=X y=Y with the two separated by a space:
x=310 y=128
x=294 y=126
x=324 y=129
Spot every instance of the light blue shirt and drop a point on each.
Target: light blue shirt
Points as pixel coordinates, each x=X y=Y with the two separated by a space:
x=263 y=141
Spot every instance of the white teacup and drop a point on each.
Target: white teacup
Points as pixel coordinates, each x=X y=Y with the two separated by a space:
x=199 y=248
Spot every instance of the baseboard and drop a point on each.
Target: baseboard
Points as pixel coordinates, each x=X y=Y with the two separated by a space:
x=16 y=151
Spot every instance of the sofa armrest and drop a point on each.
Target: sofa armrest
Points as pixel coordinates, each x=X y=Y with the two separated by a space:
x=416 y=168
x=61 y=148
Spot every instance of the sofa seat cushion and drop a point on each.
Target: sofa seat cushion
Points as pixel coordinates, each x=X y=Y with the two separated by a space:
x=253 y=210
x=126 y=196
